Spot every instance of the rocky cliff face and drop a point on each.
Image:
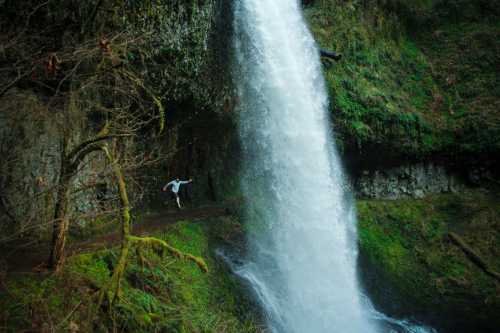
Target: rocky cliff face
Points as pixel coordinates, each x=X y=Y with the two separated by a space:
x=201 y=140
x=169 y=67
x=31 y=149
x=411 y=181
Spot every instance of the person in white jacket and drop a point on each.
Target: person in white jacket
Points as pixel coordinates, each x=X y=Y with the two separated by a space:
x=176 y=184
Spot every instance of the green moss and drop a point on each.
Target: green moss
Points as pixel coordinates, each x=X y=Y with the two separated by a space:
x=32 y=302
x=382 y=246
x=159 y=294
x=463 y=55
x=411 y=91
x=185 y=299
x=207 y=299
x=405 y=249
x=92 y=266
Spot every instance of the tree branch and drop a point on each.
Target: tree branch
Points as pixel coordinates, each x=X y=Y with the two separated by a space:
x=72 y=166
x=92 y=16
x=156 y=242
x=79 y=152
x=14 y=82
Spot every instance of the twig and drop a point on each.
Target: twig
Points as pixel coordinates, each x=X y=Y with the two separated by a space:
x=26 y=25
x=58 y=326
x=14 y=82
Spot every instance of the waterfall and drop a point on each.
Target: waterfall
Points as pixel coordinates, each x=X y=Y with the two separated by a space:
x=302 y=235
x=301 y=221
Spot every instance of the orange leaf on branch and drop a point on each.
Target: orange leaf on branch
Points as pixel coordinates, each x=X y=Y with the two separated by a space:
x=52 y=64
x=105 y=45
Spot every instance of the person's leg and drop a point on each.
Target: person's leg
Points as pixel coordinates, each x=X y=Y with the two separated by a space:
x=178 y=200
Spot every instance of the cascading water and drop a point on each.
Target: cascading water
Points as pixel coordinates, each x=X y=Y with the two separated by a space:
x=302 y=240
x=303 y=246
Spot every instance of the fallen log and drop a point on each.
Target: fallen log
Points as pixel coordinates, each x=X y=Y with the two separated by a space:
x=473 y=256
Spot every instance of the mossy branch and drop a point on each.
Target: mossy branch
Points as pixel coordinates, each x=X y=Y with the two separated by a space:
x=161 y=111
x=84 y=148
x=112 y=288
x=159 y=243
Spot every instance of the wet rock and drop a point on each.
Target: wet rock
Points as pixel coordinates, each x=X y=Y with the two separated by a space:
x=30 y=145
x=411 y=180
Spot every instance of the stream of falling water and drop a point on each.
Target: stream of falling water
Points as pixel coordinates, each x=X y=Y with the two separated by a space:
x=302 y=240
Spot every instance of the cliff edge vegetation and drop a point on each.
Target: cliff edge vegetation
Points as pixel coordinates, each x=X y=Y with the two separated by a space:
x=417 y=78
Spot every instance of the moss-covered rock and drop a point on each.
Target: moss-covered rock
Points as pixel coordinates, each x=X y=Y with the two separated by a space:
x=411 y=268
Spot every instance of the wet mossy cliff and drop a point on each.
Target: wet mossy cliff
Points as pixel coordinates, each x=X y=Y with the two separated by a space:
x=415 y=107
x=418 y=80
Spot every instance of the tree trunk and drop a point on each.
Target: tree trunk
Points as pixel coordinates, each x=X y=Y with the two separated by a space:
x=126 y=243
x=69 y=167
x=60 y=225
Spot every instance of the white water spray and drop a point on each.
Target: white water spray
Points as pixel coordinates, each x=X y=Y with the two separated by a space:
x=302 y=256
x=303 y=242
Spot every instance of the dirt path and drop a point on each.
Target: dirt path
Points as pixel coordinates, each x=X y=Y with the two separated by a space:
x=34 y=260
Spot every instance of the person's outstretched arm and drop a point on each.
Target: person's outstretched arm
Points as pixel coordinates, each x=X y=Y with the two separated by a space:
x=186 y=181
x=166 y=186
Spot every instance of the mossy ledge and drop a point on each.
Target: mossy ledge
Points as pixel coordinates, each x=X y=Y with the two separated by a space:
x=411 y=268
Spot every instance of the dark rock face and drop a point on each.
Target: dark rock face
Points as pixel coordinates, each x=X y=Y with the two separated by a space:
x=206 y=150
x=410 y=180
x=31 y=160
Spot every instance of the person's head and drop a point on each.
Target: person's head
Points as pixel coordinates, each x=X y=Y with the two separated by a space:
x=177 y=179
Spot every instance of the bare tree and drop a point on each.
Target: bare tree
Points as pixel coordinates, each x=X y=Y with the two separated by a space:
x=121 y=103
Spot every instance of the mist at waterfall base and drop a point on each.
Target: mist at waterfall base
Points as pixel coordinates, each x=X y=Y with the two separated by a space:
x=302 y=252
